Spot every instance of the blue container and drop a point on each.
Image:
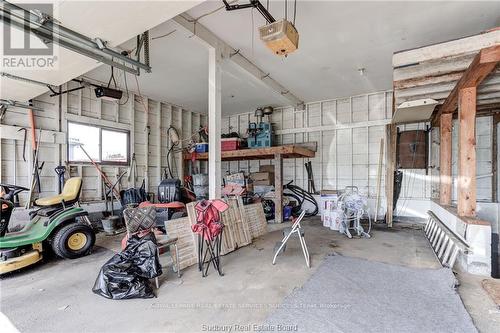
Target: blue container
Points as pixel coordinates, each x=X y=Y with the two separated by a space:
x=287 y=213
x=202 y=147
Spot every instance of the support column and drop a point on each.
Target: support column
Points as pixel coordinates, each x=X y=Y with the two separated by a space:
x=390 y=169
x=278 y=188
x=445 y=131
x=214 y=123
x=467 y=152
x=494 y=159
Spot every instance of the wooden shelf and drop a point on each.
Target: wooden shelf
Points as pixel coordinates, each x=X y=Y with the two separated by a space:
x=288 y=151
x=277 y=154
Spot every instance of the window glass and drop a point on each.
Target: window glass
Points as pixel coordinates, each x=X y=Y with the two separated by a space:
x=88 y=137
x=103 y=145
x=114 y=146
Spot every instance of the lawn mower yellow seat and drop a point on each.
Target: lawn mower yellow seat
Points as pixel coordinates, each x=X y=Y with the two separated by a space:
x=70 y=194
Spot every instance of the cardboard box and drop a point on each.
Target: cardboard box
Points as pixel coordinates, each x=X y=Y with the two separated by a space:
x=267 y=168
x=237 y=178
x=329 y=211
x=328 y=192
x=263 y=182
x=262 y=189
x=262 y=176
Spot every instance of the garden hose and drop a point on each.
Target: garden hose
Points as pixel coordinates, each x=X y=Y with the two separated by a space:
x=301 y=196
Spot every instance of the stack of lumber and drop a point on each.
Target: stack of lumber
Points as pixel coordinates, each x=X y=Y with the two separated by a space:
x=186 y=243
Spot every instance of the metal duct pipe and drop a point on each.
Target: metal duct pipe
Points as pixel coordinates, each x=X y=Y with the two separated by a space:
x=67 y=38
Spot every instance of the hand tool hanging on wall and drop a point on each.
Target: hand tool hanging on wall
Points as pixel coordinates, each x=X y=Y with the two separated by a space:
x=24 y=141
x=34 y=173
x=311 y=188
x=173 y=135
x=35 y=147
x=132 y=169
x=60 y=171
x=103 y=176
x=3 y=110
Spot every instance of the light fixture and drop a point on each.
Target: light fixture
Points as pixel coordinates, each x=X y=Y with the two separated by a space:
x=108 y=93
x=414 y=111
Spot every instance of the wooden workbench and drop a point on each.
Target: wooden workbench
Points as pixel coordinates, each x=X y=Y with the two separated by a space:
x=277 y=154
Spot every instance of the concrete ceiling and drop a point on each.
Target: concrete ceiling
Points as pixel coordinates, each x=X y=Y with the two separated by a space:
x=336 y=39
x=113 y=21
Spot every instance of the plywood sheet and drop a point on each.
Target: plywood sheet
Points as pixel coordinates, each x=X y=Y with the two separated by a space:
x=256 y=219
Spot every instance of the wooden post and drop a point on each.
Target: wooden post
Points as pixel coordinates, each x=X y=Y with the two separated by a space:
x=379 y=178
x=214 y=123
x=147 y=131
x=494 y=159
x=278 y=188
x=131 y=110
x=158 y=142
x=391 y=167
x=445 y=131
x=467 y=152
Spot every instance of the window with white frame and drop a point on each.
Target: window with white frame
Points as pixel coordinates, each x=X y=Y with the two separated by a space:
x=103 y=145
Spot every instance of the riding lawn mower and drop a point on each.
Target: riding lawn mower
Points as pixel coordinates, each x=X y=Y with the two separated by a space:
x=57 y=222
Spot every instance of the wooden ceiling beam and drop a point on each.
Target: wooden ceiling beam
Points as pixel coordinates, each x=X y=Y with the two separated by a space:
x=482 y=65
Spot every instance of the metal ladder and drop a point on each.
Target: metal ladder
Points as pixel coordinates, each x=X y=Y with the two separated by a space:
x=446 y=244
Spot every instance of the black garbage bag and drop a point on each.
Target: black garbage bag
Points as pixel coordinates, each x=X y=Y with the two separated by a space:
x=126 y=275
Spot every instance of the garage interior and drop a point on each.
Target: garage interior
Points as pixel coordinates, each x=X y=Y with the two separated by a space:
x=249 y=166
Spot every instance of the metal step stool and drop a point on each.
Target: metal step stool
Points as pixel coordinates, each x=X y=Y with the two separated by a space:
x=287 y=233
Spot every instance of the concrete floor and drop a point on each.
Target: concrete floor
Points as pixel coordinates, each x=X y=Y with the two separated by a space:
x=56 y=295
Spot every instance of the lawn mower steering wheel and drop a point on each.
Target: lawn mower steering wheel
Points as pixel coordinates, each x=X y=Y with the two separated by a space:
x=11 y=191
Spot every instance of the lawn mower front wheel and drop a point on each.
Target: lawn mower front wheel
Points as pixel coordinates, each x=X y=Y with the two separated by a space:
x=73 y=241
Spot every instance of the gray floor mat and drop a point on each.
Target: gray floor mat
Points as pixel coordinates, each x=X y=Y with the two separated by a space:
x=354 y=295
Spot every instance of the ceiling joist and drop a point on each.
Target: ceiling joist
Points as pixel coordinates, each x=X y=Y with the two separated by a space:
x=210 y=39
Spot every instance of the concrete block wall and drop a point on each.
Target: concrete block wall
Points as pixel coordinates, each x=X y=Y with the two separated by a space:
x=484 y=131
x=135 y=115
x=484 y=166
x=348 y=132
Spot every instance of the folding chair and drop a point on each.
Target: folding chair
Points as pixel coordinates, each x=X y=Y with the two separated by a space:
x=287 y=233
x=209 y=230
x=144 y=219
x=209 y=255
